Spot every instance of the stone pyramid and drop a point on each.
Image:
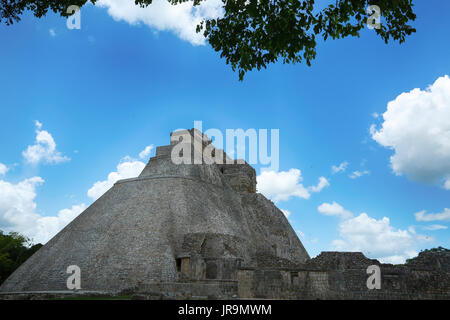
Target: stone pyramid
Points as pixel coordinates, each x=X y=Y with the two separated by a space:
x=174 y=223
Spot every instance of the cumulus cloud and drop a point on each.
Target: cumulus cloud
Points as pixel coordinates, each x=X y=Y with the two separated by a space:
x=281 y=186
x=3 y=169
x=416 y=126
x=180 y=19
x=44 y=150
x=52 y=32
x=358 y=174
x=48 y=227
x=334 y=209
x=144 y=153
x=340 y=168
x=127 y=168
x=18 y=211
x=17 y=207
x=377 y=239
x=442 y=216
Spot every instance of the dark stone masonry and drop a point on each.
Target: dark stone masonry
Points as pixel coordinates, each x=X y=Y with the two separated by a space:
x=342 y=275
x=196 y=231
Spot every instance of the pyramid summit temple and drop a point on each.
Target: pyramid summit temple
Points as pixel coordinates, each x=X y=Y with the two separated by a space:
x=186 y=229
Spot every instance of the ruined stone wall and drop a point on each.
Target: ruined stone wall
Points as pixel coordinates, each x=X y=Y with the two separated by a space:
x=342 y=275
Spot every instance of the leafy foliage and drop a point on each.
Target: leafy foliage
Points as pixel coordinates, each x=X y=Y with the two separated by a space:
x=15 y=249
x=254 y=33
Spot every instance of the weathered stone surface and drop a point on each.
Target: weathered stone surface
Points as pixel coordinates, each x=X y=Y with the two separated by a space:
x=343 y=275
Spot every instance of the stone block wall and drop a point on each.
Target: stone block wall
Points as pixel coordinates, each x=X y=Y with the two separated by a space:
x=343 y=275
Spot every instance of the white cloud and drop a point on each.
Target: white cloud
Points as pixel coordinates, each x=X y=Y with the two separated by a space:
x=17 y=207
x=48 y=227
x=127 y=168
x=377 y=239
x=44 y=150
x=340 y=168
x=18 y=211
x=334 y=209
x=323 y=183
x=423 y=216
x=280 y=186
x=3 y=169
x=52 y=32
x=417 y=127
x=286 y=213
x=180 y=19
x=358 y=174
x=420 y=237
x=434 y=227
x=144 y=153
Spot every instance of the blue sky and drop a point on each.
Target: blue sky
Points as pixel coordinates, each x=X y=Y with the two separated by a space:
x=115 y=86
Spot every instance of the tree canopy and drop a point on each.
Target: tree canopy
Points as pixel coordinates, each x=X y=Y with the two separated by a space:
x=15 y=249
x=254 y=33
